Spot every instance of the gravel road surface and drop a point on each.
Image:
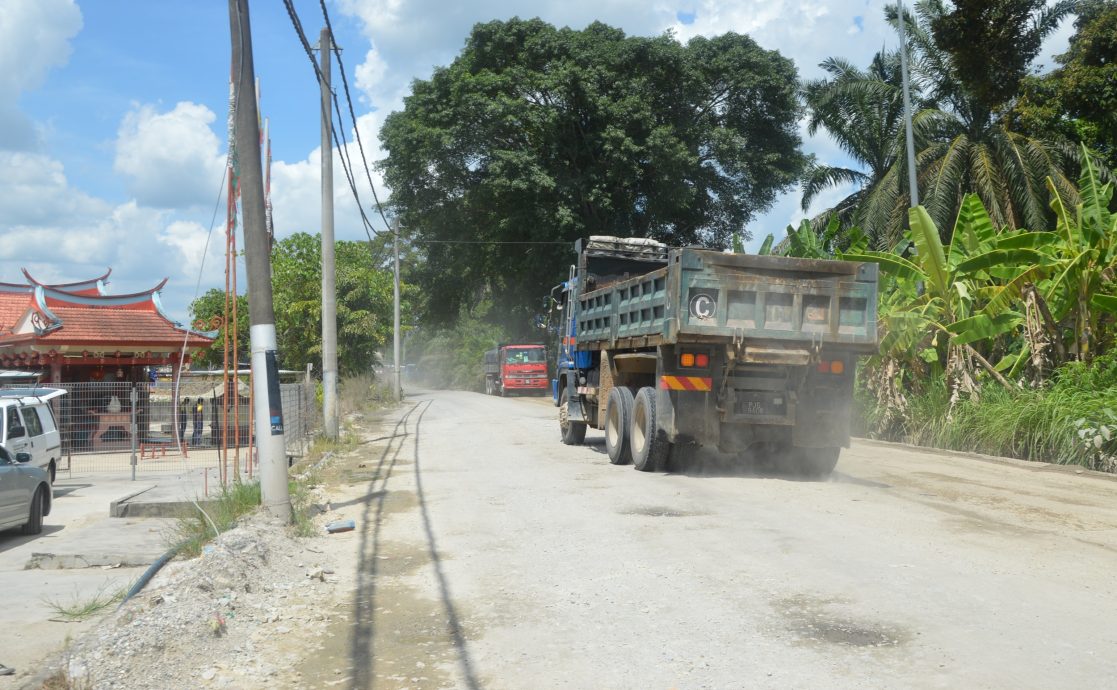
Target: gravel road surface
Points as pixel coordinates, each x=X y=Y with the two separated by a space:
x=487 y=554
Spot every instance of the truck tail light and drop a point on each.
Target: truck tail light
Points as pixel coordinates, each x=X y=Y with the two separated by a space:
x=836 y=366
x=691 y=360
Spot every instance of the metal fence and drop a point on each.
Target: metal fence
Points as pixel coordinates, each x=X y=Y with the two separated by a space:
x=123 y=426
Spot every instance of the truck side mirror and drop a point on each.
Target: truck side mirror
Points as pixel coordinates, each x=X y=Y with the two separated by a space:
x=23 y=457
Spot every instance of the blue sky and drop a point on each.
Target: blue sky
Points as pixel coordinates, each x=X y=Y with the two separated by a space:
x=113 y=112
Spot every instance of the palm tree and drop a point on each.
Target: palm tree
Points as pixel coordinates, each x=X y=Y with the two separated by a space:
x=964 y=141
x=862 y=111
x=974 y=150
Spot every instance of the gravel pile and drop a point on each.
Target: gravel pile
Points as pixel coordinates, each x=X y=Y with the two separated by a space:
x=239 y=616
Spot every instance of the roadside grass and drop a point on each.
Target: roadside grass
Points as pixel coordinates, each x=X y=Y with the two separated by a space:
x=1071 y=420
x=194 y=530
x=79 y=607
x=303 y=507
x=364 y=393
x=358 y=394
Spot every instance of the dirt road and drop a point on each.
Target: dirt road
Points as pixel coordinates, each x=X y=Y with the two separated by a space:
x=489 y=555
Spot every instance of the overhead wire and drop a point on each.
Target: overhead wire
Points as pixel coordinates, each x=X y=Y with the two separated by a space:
x=343 y=150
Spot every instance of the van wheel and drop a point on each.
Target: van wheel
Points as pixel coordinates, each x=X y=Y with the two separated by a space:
x=34 y=524
x=52 y=470
x=573 y=433
x=618 y=416
x=649 y=447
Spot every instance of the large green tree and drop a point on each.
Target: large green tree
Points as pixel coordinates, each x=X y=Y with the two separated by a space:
x=976 y=150
x=208 y=313
x=364 y=302
x=539 y=134
x=1078 y=100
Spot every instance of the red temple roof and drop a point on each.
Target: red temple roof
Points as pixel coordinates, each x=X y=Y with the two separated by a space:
x=81 y=314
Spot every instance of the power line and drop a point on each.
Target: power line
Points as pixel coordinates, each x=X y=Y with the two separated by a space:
x=346 y=163
x=352 y=114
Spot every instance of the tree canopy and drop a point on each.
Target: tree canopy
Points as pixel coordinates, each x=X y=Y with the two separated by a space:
x=364 y=305
x=540 y=134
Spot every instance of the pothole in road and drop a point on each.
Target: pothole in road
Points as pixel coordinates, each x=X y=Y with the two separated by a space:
x=662 y=511
x=810 y=623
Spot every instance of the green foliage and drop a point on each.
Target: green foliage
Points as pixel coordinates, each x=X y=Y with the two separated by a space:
x=451 y=357
x=1078 y=100
x=539 y=134
x=364 y=303
x=208 y=311
x=964 y=138
x=991 y=43
x=1052 y=423
x=195 y=529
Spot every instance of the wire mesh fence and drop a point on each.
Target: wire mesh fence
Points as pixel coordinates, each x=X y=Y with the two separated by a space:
x=150 y=428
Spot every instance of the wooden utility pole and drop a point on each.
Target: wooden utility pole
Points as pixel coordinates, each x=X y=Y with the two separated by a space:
x=329 y=288
x=266 y=400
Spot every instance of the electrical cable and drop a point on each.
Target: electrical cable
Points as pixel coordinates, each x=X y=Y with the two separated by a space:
x=352 y=114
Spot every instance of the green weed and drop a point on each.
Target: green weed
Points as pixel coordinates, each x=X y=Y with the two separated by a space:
x=79 y=608
x=195 y=529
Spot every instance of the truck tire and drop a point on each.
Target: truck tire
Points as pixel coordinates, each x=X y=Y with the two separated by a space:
x=618 y=419
x=815 y=463
x=573 y=433
x=649 y=448
x=34 y=524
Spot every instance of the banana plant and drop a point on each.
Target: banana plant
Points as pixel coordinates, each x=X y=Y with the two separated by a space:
x=935 y=291
x=1070 y=272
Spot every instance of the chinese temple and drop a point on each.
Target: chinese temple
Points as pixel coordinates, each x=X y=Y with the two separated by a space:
x=76 y=332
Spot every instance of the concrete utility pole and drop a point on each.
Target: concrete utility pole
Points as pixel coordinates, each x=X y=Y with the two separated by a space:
x=329 y=277
x=396 y=381
x=912 y=177
x=267 y=404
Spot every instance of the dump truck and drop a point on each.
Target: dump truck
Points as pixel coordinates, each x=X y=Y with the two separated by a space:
x=512 y=368
x=667 y=350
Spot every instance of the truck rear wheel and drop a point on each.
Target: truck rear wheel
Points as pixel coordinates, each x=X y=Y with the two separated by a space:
x=618 y=419
x=815 y=463
x=649 y=447
x=573 y=433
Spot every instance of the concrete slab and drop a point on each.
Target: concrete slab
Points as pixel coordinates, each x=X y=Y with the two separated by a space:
x=83 y=553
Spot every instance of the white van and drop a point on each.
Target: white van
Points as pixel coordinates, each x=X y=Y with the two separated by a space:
x=28 y=426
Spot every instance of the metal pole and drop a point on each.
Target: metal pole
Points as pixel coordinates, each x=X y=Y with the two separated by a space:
x=329 y=288
x=912 y=182
x=134 y=427
x=396 y=383
x=257 y=253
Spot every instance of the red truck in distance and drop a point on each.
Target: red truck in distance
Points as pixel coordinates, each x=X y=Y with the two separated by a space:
x=516 y=369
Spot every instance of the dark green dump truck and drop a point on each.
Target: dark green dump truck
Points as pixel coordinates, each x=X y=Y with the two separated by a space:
x=668 y=349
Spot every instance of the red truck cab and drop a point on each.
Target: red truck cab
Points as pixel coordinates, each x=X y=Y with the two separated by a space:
x=516 y=368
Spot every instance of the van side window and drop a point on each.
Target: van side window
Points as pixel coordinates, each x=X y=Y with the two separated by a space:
x=13 y=420
x=31 y=419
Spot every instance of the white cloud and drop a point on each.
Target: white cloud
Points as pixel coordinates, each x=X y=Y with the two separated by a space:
x=189 y=240
x=173 y=159
x=34 y=38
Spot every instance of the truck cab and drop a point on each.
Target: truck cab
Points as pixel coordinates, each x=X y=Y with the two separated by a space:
x=516 y=369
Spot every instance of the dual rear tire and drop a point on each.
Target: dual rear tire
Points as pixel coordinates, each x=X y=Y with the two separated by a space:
x=631 y=430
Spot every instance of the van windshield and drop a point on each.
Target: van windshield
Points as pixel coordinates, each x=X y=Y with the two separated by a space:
x=524 y=356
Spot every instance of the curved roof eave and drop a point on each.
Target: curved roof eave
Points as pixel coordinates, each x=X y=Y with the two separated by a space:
x=209 y=335
x=97 y=283
x=103 y=300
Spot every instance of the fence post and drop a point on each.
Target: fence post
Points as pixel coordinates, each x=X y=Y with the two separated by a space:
x=134 y=397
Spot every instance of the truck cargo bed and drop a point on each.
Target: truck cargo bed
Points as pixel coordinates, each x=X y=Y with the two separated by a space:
x=706 y=296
